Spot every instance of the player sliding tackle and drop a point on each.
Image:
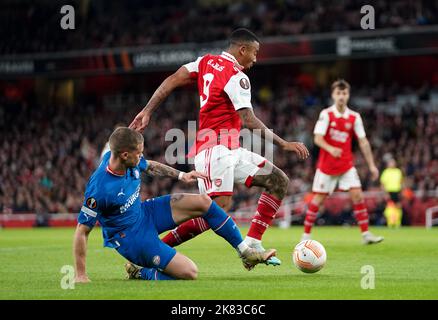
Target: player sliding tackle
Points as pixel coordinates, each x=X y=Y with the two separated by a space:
x=225 y=103
x=132 y=227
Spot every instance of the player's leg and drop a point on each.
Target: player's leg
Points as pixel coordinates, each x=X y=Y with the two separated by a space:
x=155 y=260
x=182 y=267
x=217 y=163
x=254 y=170
x=312 y=214
x=225 y=202
x=350 y=181
x=275 y=183
x=323 y=185
x=186 y=231
x=189 y=206
x=179 y=268
x=194 y=227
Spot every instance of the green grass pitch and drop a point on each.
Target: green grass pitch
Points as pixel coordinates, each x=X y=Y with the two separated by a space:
x=405 y=264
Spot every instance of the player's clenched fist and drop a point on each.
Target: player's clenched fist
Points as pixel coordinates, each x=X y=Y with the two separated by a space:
x=299 y=148
x=374 y=173
x=192 y=176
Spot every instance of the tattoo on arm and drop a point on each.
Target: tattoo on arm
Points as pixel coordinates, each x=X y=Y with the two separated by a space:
x=250 y=120
x=156 y=169
x=180 y=78
x=158 y=97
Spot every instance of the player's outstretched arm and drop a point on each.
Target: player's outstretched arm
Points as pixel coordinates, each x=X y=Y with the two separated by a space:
x=365 y=147
x=180 y=78
x=80 y=252
x=161 y=170
x=250 y=120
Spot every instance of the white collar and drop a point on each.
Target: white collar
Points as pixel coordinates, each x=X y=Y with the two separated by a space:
x=228 y=56
x=344 y=115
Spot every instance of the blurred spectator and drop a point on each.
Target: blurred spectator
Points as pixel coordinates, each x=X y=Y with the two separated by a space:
x=392 y=182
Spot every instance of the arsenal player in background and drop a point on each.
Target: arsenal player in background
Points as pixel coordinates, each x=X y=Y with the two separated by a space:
x=334 y=132
x=225 y=104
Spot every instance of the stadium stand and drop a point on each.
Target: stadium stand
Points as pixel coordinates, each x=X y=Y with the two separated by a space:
x=48 y=151
x=104 y=24
x=49 y=148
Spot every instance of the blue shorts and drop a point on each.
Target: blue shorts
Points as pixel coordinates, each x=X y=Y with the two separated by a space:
x=141 y=244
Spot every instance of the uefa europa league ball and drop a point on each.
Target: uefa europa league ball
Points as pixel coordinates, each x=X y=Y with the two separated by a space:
x=309 y=256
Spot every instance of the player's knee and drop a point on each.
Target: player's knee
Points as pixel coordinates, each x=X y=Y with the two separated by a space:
x=279 y=183
x=224 y=202
x=227 y=206
x=190 y=273
x=318 y=199
x=284 y=181
x=204 y=202
x=357 y=197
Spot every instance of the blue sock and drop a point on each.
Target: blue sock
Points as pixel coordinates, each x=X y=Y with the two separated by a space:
x=154 y=274
x=223 y=225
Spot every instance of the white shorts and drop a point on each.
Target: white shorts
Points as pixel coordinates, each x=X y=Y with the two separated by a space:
x=224 y=167
x=326 y=184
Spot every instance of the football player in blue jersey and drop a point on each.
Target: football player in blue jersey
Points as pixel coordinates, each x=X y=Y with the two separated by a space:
x=132 y=227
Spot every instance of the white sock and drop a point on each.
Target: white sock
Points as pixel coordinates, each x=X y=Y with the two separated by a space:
x=364 y=234
x=252 y=241
x=242 y=247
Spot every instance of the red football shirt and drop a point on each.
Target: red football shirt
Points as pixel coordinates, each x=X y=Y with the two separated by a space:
x=223 y=89
x=338 y=130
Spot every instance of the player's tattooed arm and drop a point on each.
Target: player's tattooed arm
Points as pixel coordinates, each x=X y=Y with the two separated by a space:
x=180 y=78
x=251 y=121
x=157 y=169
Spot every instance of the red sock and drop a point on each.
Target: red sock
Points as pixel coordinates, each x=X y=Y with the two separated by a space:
x=186 y=231
x=267 y=208
x=361 y=215
x=311 y=214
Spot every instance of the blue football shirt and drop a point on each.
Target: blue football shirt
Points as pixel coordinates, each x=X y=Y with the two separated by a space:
x=112 y=199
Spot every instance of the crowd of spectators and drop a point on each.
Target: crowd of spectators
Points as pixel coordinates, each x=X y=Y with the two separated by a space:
x=34 y=26
x=49 y=151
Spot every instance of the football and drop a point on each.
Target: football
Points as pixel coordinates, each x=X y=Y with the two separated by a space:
x=309 y=256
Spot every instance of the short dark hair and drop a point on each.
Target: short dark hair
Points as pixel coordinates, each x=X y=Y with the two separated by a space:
x=242 y=35
x=124 y=139
x=341 y=84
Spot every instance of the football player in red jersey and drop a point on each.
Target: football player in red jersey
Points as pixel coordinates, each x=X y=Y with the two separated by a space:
x=225 y=104
x=334 y=132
